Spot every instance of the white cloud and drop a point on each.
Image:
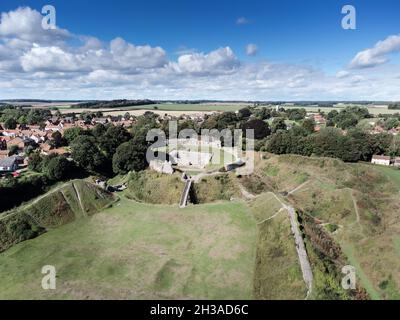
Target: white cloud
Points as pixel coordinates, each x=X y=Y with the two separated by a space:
x=130 y=56
x=39 y=64
x=242 y=21
x=251 y=49
x=50 y=59
x=220 y=61
x=26 y=24
x=378 y=54
x=342 y=74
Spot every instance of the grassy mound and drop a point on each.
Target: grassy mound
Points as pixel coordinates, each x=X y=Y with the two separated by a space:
x=156 y=188
x=215 y=188
x=62 y=205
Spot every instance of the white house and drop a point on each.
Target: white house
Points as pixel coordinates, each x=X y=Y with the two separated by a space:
x=382 y=160
x=9 y=164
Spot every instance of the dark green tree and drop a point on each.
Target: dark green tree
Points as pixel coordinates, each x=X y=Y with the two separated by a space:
x=278 y=124
x=130 y=156
x=86 y=153
x=260 y=127
x=10 y=124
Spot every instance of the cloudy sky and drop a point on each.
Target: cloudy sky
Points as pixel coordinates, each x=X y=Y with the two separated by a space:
x=184 y=49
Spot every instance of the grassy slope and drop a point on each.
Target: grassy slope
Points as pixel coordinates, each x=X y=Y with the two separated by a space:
x=58 y=207
x=140 y=251
x=333 y=193
x=277 y=271
x=392 y=173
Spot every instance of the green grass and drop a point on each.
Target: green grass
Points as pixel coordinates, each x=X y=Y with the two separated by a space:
x=264 y=206
x=397 y=245
x=216 y=188
x=271 y=170
x=277 y=272
x=392 y=173
x=366 y=283
x=140 y=251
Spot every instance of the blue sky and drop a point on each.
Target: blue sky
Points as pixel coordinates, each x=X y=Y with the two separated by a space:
x=304 y=38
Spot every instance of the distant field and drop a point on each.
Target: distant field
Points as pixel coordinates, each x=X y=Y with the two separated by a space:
x=162 y=107
x=138 y=251
x=372 y=110
x=179 y=108
x=194 y=107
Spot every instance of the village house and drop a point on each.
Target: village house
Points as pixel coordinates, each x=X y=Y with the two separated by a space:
x=379 y=129
x=10 y=164
x=319 y=119
x=19 y=142
x=10 y=133
x=397 y=162
x=382 y=160
x=100 y=121
x=54 y=128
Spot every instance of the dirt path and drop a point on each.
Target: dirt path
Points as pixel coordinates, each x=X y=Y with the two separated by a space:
x=79 y=199
x=245 y=193
x=199 y=176
x=278 y=212
x=355 y=207
x=299 y=187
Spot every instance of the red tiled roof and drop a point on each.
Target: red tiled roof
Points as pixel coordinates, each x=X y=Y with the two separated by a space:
x=377 y=157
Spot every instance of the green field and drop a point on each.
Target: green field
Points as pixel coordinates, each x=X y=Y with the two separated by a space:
x=206 y=107
x=140 y=251
x=372 y=110
x=191 y=107
x=162 y=107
